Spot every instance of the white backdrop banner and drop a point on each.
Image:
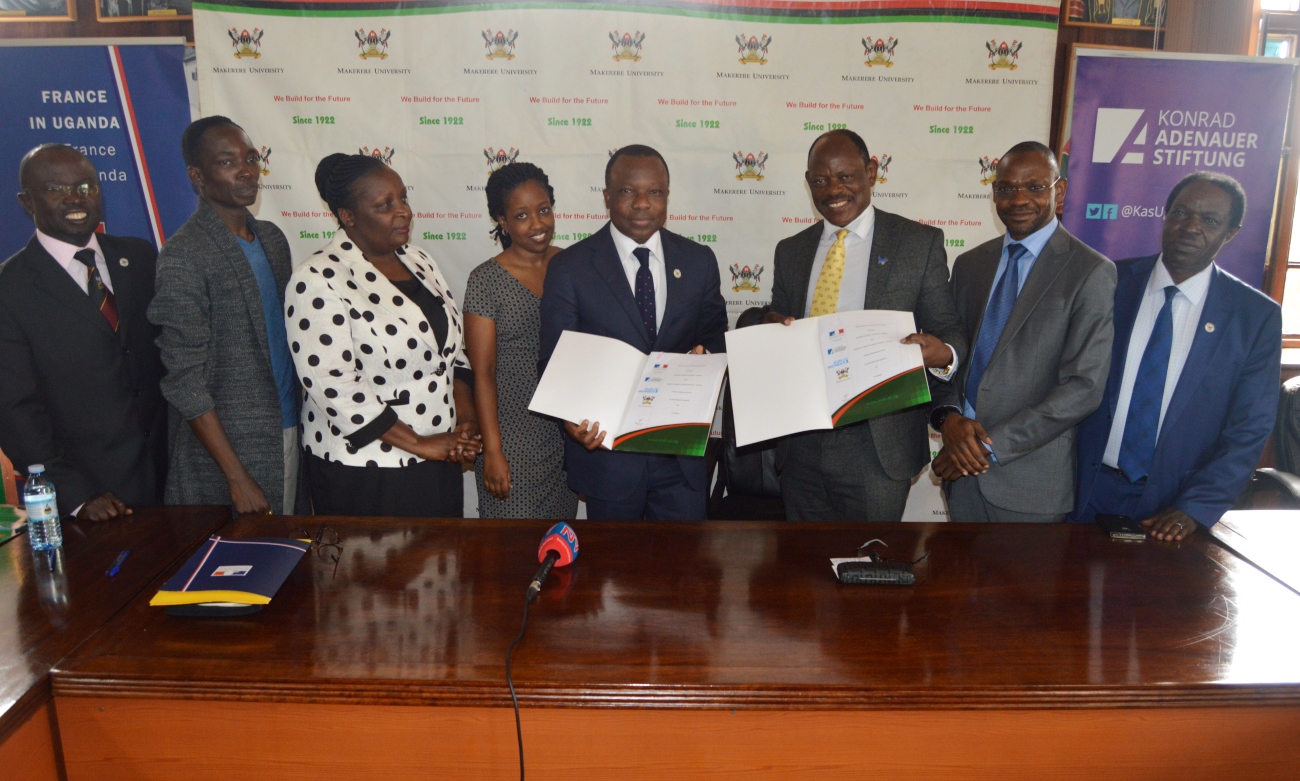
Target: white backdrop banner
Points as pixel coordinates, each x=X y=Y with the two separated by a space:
x=731 y=94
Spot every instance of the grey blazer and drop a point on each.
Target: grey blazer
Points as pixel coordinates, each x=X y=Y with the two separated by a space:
x=1047 y=373
x=214 y=348
x=912 y=278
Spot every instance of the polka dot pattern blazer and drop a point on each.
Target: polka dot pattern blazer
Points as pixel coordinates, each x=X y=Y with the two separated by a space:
x=362 y=348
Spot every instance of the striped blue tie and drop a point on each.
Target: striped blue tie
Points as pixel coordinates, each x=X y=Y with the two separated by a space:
x=999 y=309
x=1143 y=422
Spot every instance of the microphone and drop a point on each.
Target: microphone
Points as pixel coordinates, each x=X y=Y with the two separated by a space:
x=558 y=549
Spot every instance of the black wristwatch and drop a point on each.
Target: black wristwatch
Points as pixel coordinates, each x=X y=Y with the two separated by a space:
x=939 y=414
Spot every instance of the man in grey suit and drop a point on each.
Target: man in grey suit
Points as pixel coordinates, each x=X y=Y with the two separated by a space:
x=861 y=258
x=1037 y=305
x=220 y=303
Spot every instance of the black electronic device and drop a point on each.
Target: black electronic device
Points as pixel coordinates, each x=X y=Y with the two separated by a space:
x=1122 y=527
x=880 y=573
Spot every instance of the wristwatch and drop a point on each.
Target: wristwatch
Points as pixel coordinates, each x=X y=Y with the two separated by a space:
x=939 y=414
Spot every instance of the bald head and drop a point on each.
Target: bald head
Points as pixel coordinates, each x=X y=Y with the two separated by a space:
x=60 y=190
x=44 y=155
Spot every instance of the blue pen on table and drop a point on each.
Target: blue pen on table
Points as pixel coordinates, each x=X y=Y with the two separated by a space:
x=117 y=563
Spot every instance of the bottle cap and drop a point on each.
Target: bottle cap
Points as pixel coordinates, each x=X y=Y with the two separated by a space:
x=36 y=469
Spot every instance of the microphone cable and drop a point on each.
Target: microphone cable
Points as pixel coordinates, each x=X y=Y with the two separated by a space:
x=519 y=732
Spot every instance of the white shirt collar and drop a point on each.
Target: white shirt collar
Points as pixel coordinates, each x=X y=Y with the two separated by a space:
x=1194 y=288
x=860 y=227
x=63 y=252
x=625 y=245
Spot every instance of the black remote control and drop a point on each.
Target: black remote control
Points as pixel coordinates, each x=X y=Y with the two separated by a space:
x=883 y=573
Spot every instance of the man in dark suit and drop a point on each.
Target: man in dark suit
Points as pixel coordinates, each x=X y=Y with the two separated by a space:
x=861 y=258
x=636 y=282
x=1037 y=306
x=1194 y=376
x=81 y=370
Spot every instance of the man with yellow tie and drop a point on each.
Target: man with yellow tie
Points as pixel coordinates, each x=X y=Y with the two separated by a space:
x=859 y=257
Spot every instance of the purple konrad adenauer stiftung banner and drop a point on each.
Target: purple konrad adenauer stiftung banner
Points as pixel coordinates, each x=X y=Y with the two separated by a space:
x=1142 y=121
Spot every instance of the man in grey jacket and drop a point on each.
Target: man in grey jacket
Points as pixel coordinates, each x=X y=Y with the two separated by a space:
x=219 y=302
x=1037 y=305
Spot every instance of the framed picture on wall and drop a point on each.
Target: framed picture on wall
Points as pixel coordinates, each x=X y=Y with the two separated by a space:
x=142 y=10
x=38 y=10
x=1135 y=14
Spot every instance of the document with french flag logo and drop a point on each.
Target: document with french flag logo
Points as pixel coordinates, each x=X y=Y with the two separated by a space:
x=233 y=571
x=658 y=403
x=823 y=372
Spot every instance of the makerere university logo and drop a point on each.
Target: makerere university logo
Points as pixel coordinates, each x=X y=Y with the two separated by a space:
x=500 y=46
x=753 y=51
x=385 y=156
x=746 y=279
x=879 y=51
x=500 y=158
x=750 y=166
x=373 y=45
x=882 y=167
x=988 y=169
x=246 y=44
x=628 y=45
x=1003 y=55
x=264 y=163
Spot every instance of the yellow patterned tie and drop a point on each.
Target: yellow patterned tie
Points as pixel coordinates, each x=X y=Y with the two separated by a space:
x=826 y=296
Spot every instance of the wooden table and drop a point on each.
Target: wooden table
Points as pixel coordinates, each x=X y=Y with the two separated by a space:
x=707 y=650
x=51 y=604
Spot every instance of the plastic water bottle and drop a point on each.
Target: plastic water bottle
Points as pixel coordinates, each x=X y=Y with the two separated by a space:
x=42 y=510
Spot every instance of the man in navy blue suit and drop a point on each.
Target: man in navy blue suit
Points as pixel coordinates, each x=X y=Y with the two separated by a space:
x=636 y=282
x=1194 y=375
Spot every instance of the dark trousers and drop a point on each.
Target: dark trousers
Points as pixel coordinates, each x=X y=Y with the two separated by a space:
x=662 y=495
x=427 y=489
x=837 y=476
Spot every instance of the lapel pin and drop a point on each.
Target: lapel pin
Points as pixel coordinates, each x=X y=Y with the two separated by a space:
x=881 y=260
x=677 y=273
x=1209 y=328
x=123 y=262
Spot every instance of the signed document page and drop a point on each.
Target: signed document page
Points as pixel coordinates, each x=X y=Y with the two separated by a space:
x=868 y=372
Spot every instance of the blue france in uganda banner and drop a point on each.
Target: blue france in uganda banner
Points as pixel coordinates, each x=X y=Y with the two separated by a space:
x=124 y=106
x=1142 y=122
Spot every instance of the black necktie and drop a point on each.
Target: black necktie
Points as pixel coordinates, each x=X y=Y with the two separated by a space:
x=645 y=291
x=99 y=293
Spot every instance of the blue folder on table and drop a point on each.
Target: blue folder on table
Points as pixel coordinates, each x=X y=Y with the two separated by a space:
x=233 y=571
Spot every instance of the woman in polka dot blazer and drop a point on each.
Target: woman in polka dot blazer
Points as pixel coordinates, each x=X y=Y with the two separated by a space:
x=388 y=414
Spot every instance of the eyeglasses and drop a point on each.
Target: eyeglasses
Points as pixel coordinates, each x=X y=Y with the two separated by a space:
x=1034 y=190
x=85 y=189
x=327 y=544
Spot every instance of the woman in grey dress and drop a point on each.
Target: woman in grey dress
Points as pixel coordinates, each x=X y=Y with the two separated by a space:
x=520 y=473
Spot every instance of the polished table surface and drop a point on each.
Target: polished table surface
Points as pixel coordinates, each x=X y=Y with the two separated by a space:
x=720 y=615
x=52 y=604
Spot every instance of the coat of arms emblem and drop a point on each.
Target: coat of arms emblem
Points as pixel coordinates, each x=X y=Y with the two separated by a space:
x=750 y=166
x=500 y=158
x=988 y=169
x=264 y=163
x=879 y=51
x=385 y=156
x=1003 y=55
x=500 y=46
x=246 y=44
x=373 y=44
x=628 y=45
x=882 y=167
x=753 y=51
x=746 y=278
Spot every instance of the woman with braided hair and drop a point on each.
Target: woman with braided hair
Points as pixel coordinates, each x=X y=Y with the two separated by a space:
x=520 y=473
x=378 y=342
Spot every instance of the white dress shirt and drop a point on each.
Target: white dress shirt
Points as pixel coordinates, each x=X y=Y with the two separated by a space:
x=63 y=252
x=1188 y=303
x=631 y=265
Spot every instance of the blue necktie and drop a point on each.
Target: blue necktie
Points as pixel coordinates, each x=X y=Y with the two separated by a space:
x=999 y=309
x=1143 y=422
x=645 y=291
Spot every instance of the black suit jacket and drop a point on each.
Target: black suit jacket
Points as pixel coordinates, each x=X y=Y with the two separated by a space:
x=587 y=291
x=77 y=397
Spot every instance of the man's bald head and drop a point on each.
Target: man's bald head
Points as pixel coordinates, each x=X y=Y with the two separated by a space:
x=43 y=155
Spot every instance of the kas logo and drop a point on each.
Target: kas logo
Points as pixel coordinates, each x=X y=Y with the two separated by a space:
x=882 y=167
x=1118 y=131
x=1003 y=55
x=246 y=44
x=385 y=157
x=500 y=46
x=265 y=164
x=749 y=166
x=988 y=169
x=373 y=44
x=745 y=278
x=1102 y=211
x=753 y=51
x=627 y=46
x=879 y=51
x=500 y=158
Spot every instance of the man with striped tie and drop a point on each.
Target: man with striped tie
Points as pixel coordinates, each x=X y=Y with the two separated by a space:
x=1037 y=305
x=80 y=393
x=1194 y=375
x=860 y=257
